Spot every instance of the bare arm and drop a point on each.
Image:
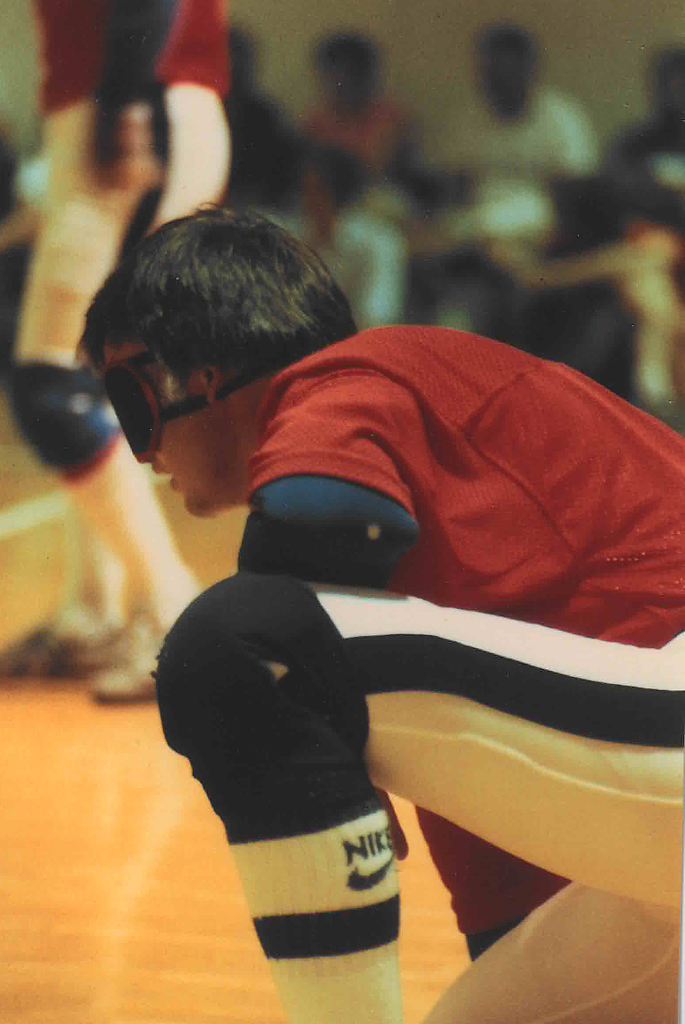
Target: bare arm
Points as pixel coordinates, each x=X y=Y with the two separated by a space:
x=199 y=151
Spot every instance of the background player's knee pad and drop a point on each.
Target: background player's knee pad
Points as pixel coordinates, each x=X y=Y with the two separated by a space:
x=64 y=414
x=292 y=747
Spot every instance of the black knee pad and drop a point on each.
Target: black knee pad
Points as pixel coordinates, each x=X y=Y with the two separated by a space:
x=276 y=757
x=63 y=413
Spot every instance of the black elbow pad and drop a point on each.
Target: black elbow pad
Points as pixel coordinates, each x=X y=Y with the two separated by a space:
x=348 y=554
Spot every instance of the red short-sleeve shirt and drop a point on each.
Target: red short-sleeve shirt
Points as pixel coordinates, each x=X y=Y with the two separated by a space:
x=538 y=494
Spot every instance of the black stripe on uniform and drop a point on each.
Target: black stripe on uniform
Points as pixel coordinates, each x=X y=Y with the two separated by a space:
x=330 y=932
x=583 y=707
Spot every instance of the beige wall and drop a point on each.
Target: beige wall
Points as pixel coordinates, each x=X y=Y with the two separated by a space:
x=596 y=49
x=18 y=72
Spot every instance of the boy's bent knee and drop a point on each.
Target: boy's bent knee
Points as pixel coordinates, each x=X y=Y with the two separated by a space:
x=243 y=729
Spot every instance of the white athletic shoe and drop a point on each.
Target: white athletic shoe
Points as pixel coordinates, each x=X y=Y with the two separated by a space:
x=133 y=658
x=118 y=662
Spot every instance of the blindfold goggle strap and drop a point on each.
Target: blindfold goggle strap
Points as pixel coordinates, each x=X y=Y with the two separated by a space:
x=136 y=406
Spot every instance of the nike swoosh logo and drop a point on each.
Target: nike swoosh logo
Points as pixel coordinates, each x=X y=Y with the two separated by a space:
x=359 y=882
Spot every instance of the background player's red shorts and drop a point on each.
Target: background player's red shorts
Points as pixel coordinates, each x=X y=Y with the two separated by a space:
x=71 y=39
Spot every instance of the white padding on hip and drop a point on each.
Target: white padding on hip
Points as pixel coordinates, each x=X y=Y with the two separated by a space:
x=359 y=614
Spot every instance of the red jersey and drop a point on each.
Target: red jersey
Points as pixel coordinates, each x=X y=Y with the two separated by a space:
x=372 y=135
x=71 y=36
x=539 y=495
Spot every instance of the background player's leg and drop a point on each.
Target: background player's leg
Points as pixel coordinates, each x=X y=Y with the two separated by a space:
x=584 y=957
x=102 y=582
x=85 y=223
x=118 y=501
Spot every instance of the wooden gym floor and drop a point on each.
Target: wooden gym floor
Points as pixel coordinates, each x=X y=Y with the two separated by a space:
x=119 y=900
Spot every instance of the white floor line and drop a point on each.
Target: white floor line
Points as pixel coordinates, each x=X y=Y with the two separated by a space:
x=26 y=515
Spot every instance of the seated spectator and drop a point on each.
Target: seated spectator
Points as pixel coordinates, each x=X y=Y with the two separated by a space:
x=649 y=158
x=263 y=142
x=7 y=165
x=656 y=146
x=519 y=136
x=356 y=115
x=606 y=297
x=505 y=153
x=366 y=253
x=570 y=307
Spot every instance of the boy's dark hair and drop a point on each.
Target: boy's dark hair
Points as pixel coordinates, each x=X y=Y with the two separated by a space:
x=220 y=288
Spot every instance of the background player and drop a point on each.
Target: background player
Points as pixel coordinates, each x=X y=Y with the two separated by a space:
x=109 y=67
x=394 y=459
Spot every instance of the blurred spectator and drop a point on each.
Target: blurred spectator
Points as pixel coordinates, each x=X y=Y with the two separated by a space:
x=656 y=146
x=504 y=153
x=10 y=287
x=264 y=143
x=569 y=304
x=518 y=138
x=648 y=159
x=366 y=253
x=356 y=115
x=7 y=165
x=606 y=295
x=655 y=293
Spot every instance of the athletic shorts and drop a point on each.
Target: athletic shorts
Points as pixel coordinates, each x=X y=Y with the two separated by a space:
x=71 y=39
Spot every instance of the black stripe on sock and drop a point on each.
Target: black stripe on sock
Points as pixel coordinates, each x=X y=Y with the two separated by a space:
x=329 y=933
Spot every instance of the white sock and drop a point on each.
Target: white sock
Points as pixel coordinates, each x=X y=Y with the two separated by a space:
x=325 y=906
